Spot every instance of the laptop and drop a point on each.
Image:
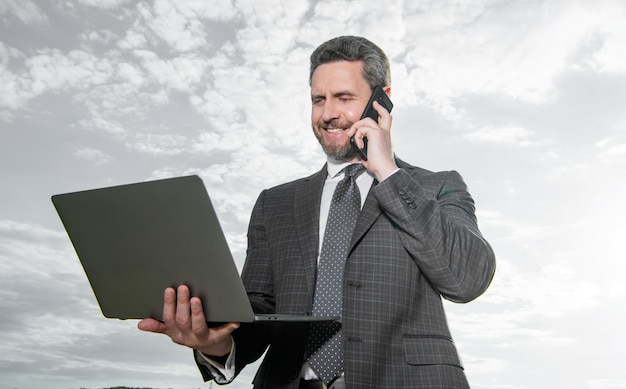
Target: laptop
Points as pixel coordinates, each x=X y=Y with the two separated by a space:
x=135 y=240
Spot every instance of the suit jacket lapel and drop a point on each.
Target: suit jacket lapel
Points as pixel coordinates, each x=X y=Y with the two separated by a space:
x=370 y=212
x=307 y=215
x=367 y=217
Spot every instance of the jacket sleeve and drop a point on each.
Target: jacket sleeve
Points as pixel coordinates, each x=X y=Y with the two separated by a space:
x=437 y=225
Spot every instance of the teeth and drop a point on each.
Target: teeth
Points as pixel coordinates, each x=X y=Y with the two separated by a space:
x=335 y=130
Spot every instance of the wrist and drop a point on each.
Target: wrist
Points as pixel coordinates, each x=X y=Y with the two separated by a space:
x=384 y=173
x=218 y=351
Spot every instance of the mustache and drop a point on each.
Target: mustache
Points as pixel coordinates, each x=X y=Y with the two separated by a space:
x=335 y=123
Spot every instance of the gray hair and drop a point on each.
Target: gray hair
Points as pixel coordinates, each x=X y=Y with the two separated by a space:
x=353 y=48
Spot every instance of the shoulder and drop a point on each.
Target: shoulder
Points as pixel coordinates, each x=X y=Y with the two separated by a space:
x=304 y=189
x=428 y=177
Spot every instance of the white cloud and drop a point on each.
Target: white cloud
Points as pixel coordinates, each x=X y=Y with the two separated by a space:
x=107 y=126
x=612 y=150
x=159 y=144
x=182 y=73
x=51 y=70
x=179 y=31
x=25 y=11
x=104 y=4
x=14 y=92
x=96 y=156
x=602 y=47
x=485 y=366
x=617 y=290
x=518 y=50
x=513 y=135
x=209 y=142
x=553 y=290
x=219 y=89
x=102 y=36
x=221 y=11
x=130 y=73
x=133 y=39
x=606 y=384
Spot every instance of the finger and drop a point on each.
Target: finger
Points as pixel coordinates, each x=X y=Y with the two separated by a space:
x=169 y=306
x=151 y=325
x=198 y=319
x=183 y=309
x=359 y=130
x=384 y=117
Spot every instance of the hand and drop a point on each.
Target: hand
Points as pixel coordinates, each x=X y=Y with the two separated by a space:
x=380 y=159
x=184 y=322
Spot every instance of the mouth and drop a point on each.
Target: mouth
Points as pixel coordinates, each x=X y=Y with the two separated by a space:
x=335 y=130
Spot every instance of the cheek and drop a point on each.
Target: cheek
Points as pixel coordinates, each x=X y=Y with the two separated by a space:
x=316 y=115
x=355 y=112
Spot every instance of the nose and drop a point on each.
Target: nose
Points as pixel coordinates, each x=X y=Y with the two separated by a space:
x=330 y=111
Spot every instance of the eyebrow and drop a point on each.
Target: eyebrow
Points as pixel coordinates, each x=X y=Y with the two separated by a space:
x=336 y=94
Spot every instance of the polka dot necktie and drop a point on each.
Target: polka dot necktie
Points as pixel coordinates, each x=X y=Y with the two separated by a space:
x=325 y=353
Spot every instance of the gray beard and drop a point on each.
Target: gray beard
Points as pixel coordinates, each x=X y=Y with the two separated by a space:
x=345 y=153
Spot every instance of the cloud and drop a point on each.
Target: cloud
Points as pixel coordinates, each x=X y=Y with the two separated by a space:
x=107 y=126
x=514 y=135
x=96 y=156
x=177 y=30
x=180 y=25
x=612 y=150
x=104 y=4
x=183 y=73
x=530 y=93
x=159 y=144
x=536 y=43
x=50 y=70
x=25 y=11
x=518 y=300
x=606 y=384
x=14 y=93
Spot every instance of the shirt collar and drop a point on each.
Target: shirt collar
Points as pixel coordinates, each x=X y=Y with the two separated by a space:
x=334 y=166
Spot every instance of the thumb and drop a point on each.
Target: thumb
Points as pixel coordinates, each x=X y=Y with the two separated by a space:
x=151 y=325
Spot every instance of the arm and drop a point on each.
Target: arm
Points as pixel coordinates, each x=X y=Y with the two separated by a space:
x=436 y=223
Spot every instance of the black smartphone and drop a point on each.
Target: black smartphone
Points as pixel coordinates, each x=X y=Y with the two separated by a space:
x=378 y=94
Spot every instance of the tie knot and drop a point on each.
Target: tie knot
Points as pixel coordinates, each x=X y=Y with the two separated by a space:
x=354 y=170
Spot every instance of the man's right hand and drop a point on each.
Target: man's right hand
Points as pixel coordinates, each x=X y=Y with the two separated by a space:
x=184 y=322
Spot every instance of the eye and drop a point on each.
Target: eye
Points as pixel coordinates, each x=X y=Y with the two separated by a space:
x=345 y=97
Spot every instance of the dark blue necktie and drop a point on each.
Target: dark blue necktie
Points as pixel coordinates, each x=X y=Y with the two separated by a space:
x=325 y=353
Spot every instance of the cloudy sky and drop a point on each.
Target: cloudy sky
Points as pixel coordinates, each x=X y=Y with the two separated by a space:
x=524 y=98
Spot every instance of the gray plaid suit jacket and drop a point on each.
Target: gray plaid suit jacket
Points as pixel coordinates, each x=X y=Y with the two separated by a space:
x=416 y=240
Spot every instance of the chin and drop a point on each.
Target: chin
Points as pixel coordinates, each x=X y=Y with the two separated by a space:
x=345 y=152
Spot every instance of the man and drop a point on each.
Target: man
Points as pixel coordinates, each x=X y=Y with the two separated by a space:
x=415 y=240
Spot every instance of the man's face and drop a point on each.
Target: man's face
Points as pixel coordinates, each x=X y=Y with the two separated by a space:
x=339 y=94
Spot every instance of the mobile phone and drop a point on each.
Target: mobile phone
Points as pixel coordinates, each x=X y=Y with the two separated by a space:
x=378 y=94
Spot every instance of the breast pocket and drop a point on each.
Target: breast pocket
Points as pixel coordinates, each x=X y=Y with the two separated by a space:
x=430 y=350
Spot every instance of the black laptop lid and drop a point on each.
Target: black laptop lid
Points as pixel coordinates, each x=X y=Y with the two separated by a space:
x=135 y=240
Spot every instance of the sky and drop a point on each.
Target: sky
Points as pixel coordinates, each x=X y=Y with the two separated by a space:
x=524 y=98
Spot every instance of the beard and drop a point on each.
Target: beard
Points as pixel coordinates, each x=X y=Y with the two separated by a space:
x=340 y=151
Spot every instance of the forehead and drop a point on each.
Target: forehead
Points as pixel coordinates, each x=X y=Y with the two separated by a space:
x=338 y=75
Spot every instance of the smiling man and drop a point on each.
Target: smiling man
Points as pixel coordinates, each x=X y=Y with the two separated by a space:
x=377 y=242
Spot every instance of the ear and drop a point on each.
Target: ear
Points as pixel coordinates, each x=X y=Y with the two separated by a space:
x=387 y=90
